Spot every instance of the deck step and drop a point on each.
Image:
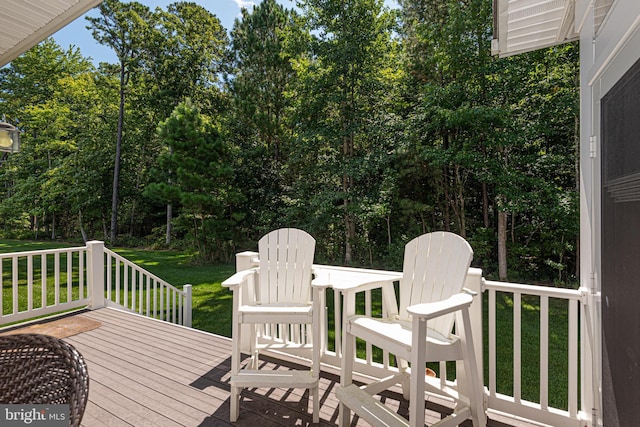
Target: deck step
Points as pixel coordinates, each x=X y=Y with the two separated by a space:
x=269 y=378
x=368 y=408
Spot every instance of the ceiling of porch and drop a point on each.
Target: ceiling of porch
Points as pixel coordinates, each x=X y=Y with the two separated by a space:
x=25 y=23
x=524 y=25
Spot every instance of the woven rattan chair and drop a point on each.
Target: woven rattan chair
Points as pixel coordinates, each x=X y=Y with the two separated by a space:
x=41 y=369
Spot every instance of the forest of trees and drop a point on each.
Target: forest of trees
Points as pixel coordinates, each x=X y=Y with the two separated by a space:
x=362 y=125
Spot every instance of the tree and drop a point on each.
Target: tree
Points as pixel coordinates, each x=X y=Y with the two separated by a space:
x=183 y=56
x=472 y=124
x=198 y=160
x=339 y=91
x=262 y=51
x=39 y=92
x=122 y=27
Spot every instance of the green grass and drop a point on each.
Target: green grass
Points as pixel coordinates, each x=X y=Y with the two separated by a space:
x=212 y=305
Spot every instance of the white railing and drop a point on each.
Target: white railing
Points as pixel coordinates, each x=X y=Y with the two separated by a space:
x=553 y=329
x=40 y=283
x=133 y=288
x=542 y=299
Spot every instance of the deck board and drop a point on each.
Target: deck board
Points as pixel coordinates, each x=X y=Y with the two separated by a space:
x=149 y=373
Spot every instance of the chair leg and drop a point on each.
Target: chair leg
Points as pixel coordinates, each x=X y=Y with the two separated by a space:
x=315 y=395
x=418 y=360
x=403 y=367
x=472 y=375
x=346 y=377
x=315 y=361
x=236 y=333
x=235 y=368
x=235 y=403
x=253 y=350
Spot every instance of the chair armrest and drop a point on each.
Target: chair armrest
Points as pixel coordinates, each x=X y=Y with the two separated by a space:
x=238 y=279
x=432 y=310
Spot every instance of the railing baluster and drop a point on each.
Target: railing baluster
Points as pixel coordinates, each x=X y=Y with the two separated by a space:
x=69 y=276
x=367 y=312
x=573 y=358
x=81 y=273
x=141 y=293
x=173 y=306
x=492 y=342
x=109 y=274
x=337 y=304
x=517 y=346
x=385 y=354
x=162 y=298
x=117 y=281
x=181 y=316
x=443 y=372
x=155 y=298
x=544 y=352
x=56 y=279
x=14 y=275
x=148 y=279
x=29 y=282
x=43 y=279
x=125 y=297
x=134 y=274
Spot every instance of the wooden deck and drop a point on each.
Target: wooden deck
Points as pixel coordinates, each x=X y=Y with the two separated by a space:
x=149 y=373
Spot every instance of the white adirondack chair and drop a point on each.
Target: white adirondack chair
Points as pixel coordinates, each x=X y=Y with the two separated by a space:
x=432 y=299
x=279 y=304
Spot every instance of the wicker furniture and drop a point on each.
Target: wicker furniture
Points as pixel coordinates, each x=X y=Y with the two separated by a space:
x=41 y=369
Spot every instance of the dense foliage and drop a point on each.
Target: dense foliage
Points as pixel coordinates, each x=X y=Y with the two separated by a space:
x=362 y=125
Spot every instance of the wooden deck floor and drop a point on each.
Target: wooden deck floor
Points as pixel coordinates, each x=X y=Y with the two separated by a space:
x=150 y=373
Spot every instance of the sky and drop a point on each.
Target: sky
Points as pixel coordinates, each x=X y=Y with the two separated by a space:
x=76 y=33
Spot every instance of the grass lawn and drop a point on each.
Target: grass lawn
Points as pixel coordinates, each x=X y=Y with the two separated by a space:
x=212 y=305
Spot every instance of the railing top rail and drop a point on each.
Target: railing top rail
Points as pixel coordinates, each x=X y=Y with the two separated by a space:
x=43 y=251
x=538 y=290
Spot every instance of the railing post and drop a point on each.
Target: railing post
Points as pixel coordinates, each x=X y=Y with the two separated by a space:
x=95 y=273
x=589 y=396
x=474 y=284
x=187 y=307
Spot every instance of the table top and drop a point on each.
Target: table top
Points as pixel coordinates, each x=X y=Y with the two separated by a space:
x=345 y=278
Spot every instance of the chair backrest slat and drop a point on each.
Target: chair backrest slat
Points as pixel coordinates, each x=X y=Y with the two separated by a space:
x=435 y=268
x=286 y=260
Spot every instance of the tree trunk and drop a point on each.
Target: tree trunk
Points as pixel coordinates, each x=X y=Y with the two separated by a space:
x=462 y=223
x=502 y=245
x=116 y=167
x=169 y=215
x=53 y=227
x=485 y=205
x=82 y=230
